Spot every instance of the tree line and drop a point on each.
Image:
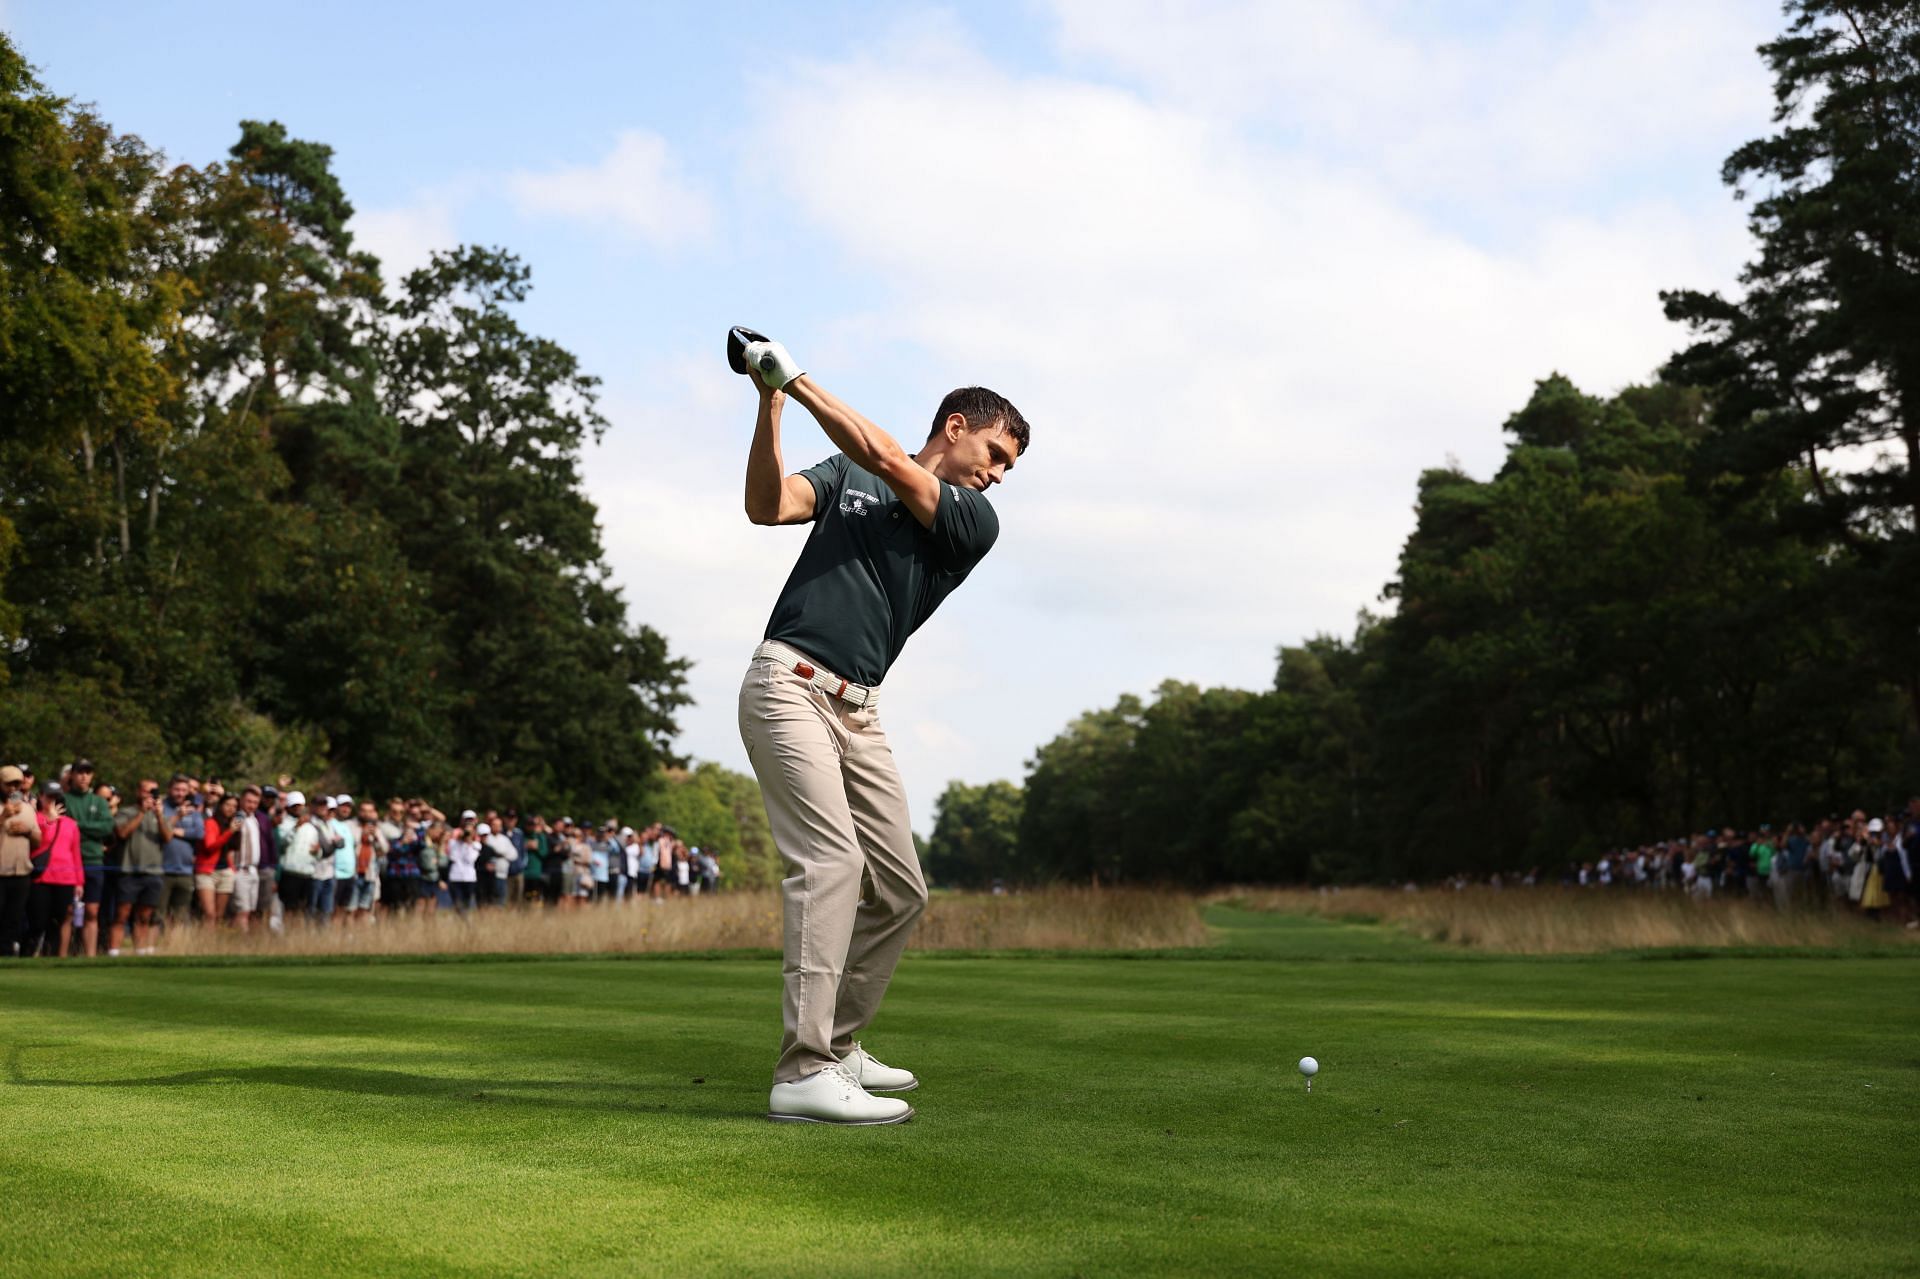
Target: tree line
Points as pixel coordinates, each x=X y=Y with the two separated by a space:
x=266 y=510
x=1692 y=603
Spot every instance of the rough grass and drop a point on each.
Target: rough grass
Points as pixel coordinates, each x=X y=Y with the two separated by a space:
x=1078 y=1116
x=1049 y=919
x=1554 y=921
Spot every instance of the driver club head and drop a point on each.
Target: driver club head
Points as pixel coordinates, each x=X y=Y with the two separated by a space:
x=737 y=339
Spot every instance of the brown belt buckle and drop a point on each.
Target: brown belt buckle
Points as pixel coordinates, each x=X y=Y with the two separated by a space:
x=803 y=669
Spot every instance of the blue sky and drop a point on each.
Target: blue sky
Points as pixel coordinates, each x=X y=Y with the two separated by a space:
x=1246 y=267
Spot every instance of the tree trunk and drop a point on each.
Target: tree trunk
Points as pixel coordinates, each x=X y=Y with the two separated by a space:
x=86 y=459
x=120 y=495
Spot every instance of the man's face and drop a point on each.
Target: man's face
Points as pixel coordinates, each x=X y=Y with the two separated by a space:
x=80 y=780
x=366 y=811
x=249 y=802
x=177 y=792
x=978 y=459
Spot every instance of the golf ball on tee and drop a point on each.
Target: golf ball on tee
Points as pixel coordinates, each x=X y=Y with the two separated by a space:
x=1309 y=1067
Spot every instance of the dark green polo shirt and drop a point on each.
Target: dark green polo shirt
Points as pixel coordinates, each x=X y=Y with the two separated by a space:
x=95 y=820
x=869 y=575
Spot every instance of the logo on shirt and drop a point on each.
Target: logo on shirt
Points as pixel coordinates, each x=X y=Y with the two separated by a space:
x=855 y=502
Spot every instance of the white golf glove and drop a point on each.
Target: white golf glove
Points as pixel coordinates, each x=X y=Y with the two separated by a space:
x=771 y=361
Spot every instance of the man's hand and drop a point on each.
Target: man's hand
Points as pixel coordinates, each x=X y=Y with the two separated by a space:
x=772 y=366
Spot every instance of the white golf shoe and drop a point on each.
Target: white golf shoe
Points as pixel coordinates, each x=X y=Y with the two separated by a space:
x=833 y=1096
x=875 y=1075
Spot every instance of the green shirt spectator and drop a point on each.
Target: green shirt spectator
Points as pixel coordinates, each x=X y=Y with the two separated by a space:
x=91 y=814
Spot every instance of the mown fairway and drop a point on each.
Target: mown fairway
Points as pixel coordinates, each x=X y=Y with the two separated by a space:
x=1079 y=1116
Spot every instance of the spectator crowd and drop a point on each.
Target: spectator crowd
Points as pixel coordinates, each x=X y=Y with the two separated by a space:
x=85 y=869
x=1855 y=862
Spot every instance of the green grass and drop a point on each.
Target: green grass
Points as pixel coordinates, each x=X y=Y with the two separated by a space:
x=1080 y=1116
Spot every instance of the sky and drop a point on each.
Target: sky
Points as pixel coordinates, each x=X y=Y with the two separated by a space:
x=1246 y=268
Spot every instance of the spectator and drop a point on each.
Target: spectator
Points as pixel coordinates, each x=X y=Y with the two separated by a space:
x=483 y=872
x=269 y=813
x=94 y=818
x=499 y=860
x=682 y=869
x=649 y=860
x=181 y=810
x=534 y=842
x=245 y=849
x=366 y=850
x=1763 y=853
x=143 y=831
x=517 y=871
x=583 y=881
x=463 y=861
x=343 y=834
x=557 y=855
x=301 y=848
x=434 y=862
x=62 y=875
x=710 y=872
x=19 y=832
x=600 y=857
x=213 y=866
x=629 y=858
x=663 y=867
x=400 y=882
x=110 y=857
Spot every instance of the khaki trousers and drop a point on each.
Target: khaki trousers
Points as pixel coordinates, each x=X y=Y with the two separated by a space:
x=853 y=886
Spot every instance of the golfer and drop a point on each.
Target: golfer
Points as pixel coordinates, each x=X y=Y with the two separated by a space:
x=893 y=534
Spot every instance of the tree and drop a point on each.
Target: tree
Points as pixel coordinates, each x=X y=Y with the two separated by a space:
x=1821 y=353
x=976 y=834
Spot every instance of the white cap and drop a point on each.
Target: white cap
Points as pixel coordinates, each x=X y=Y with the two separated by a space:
x=466 y=813
x=342 y=799
x=481 y=829
x=295 y=799
x=1876 y=826
x=626 y=830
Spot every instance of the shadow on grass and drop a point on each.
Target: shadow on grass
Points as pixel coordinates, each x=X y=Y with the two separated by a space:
x=572 y=1094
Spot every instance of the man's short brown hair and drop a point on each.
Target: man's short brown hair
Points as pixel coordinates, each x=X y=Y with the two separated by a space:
x=981 y=408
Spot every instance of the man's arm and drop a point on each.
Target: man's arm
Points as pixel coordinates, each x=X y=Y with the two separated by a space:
x=871 y=449
x=772 y=496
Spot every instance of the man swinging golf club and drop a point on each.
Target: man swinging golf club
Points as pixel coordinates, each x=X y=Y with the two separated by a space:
x=893 y=534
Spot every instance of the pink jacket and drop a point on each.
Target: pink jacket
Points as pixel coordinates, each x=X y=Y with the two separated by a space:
x=64 y=867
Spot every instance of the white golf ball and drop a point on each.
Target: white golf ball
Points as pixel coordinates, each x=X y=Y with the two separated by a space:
x=1309 y=1067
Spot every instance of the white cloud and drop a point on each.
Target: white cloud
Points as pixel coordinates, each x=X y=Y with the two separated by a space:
x=406 y=236
x=1237 y=352
x=1237 y=355
x=1490 y=111
x=637 y=190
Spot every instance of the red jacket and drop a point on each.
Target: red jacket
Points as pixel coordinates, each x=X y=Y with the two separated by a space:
x=63 y=835
x=213 y=855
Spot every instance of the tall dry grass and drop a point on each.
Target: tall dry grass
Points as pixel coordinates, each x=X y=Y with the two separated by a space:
x=1056 y=918
x=1560 y=921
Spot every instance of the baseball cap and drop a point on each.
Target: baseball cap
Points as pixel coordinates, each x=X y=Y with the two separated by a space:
x=10 y=773
x=53 y=788
x=270 y=791
x=482 y=829
x=295 y=799
x=466 y=813
x=342 y=799
x=82 y=765
x=1875 y=826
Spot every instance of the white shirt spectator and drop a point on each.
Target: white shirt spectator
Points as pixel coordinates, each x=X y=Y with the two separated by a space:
x=462 y=857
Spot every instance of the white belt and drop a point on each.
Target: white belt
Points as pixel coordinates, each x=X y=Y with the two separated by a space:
x=832 y=685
